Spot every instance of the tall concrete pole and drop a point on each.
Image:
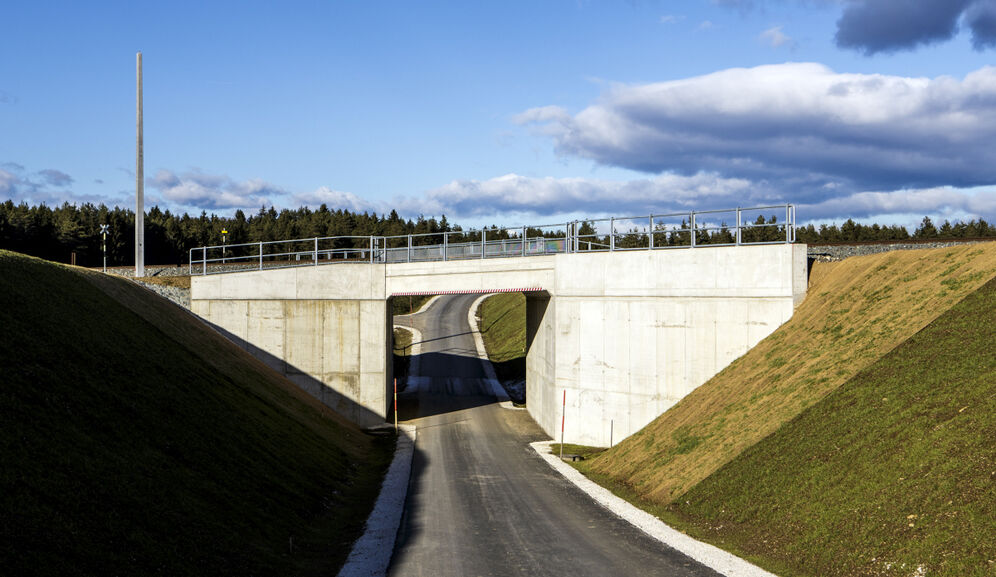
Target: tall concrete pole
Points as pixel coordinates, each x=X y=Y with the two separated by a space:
x=139 y=183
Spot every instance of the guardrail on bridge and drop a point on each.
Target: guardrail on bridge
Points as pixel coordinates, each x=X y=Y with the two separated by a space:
x=652 y=232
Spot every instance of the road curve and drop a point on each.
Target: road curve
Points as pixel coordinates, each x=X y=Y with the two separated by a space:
x=480 y=501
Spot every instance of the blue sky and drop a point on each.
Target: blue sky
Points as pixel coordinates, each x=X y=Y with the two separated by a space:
x=507 y=112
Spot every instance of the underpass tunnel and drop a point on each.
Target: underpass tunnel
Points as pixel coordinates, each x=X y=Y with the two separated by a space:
x=435 y=350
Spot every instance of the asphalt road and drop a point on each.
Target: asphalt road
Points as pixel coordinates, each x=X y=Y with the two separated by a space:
x=480 y=501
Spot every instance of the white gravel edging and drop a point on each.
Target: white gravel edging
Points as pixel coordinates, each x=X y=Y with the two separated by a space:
x=711 y=556
x=372 y=552
x=482 y=353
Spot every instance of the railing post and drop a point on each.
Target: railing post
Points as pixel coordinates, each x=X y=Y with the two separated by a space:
x=738 y=226
x=445 y=238
x=612 y=233
x=522 y=241
x=787 y=233
x=260 y=255
x=484 y=242
x=794 y=238
x=190 y=262
x=409 y=248
x=316 y=251
x=204 y=260
x=651 y=232
x=691 y=223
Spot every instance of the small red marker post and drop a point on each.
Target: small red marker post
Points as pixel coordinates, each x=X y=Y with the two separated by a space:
x=395 y=405
x=563 y=416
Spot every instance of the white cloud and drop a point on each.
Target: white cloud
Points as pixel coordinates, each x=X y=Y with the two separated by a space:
x=8 y=182
x=547 y=196
x=705 y=25
x=337 y=199
x=796 y=125
x=942 y=202
x=671 y=18
x=213 y=191
x=774 y=37
x=542 y=114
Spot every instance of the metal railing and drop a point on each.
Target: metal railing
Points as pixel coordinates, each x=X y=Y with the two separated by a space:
x=652 y=232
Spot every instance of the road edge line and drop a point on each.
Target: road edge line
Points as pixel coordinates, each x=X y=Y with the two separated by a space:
x=371 y=553
x=711 y=556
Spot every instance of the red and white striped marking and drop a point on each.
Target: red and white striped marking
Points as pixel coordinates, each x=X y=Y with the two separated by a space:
x=466 y=292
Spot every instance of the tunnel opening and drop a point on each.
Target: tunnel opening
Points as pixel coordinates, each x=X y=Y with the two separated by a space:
x=435 y=338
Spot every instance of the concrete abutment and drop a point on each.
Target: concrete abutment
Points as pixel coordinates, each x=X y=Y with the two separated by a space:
x=626 y=334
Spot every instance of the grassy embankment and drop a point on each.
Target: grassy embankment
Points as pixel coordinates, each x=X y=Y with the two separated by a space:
x=137 y=441
x=182 y=282
x=855 y=440
x=503 y=328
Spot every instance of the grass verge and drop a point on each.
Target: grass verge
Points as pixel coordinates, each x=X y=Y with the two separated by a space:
x=503 y=328
x=138 y=441
x=405 y=305
x=402 y=355
x=584 y=451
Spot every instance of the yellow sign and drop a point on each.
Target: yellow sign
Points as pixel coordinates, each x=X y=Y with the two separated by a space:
x=223 y=231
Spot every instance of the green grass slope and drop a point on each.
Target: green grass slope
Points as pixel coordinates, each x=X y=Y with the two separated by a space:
x=135 y=441
x=894 y=473
x=503 y=329
x=856 y=311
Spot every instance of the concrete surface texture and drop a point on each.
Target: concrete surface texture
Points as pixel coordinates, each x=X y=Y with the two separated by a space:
x=335 y=349
x=480 y=501
x=626 y=334
x=633 y=333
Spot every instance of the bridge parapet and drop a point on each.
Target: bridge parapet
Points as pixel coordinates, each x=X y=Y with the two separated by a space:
x=650 y=232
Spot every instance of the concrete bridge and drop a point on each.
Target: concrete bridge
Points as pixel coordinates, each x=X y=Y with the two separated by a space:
x=626 y=333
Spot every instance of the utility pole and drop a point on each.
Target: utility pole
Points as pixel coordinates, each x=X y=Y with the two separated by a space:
x=139 y=181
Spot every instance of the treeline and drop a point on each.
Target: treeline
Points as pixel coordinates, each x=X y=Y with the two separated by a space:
x=851 y=231
x=771 y=230
x=56 y=233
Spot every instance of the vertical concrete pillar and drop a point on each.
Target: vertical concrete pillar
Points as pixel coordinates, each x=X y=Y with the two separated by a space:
x=541 y=359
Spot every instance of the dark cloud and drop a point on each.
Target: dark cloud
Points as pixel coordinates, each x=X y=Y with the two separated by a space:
x=981 y=18
x=873 y=26
x=7 y=98
x=794 y=126
x=48 y=186
x=54 y=177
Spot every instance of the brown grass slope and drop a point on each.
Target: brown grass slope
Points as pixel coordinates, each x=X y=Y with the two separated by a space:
x=134 y=440
x=855 y=312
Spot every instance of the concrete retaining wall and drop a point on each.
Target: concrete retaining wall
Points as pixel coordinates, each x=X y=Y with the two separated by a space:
x=636 y=332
